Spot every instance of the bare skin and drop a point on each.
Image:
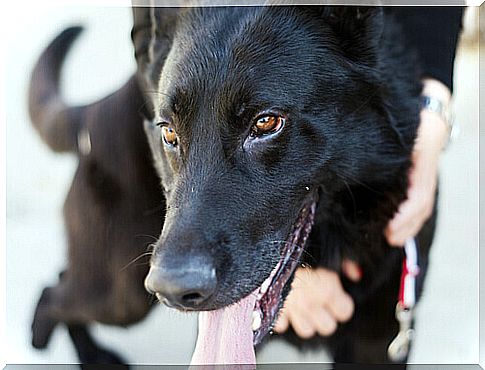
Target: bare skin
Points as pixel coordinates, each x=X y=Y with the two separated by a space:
x=317 y=302
x=432 y=135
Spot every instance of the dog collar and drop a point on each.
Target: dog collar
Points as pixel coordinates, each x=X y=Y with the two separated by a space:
x=399 y=347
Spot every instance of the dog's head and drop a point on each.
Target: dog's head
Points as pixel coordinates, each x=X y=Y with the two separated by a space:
x=255 y=113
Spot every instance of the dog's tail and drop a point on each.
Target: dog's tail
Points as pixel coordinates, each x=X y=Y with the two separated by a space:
x=57 y=123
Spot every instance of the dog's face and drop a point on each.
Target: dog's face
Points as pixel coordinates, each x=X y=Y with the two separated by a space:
x=256 y=111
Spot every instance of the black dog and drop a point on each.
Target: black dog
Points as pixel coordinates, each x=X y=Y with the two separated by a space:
x=112 y=211
x=267 y=121
x=262 y=123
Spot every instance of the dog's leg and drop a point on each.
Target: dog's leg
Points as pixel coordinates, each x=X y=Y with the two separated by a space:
x=44 y=322
x=89 y=351
x=52 y=309
x=365 y=339
x=45 y=317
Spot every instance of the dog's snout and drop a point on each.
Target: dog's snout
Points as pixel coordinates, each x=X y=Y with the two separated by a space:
x=186 y=286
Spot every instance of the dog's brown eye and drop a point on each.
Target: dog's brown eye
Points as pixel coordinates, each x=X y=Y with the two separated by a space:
x=169 y=136
x=268 y=124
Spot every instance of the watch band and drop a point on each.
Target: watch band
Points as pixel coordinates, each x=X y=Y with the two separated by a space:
x=436 y=105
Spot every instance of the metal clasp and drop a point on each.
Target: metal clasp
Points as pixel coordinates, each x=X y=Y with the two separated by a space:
x=399 y=347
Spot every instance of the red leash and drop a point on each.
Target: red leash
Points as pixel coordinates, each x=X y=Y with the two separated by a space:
x=399 y=347
x=410 y=270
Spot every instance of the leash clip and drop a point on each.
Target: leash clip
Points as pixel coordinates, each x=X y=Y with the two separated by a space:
x=399 y=347
x=398 y=350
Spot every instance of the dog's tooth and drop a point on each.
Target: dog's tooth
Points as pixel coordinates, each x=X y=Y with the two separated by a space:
x=265 y=285
x=256 y=324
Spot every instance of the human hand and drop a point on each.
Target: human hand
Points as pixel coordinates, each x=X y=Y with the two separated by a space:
x=431 y=137
x=317 y=301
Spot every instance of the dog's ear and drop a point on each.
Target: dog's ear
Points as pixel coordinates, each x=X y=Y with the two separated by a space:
x=358 y=28
x=152 y=36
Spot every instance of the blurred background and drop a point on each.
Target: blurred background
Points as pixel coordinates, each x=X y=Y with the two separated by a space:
x=38 y=180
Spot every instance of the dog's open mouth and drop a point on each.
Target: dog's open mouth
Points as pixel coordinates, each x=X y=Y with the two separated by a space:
x=269 y=295
x=228 y=335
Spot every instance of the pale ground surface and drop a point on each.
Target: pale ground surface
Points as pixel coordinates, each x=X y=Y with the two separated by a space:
x=37 y=181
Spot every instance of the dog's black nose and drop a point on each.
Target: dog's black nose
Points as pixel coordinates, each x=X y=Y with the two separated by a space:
x=183 y=286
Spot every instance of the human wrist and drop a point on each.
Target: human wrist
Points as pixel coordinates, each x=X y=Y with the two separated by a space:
x=436 y=101
x=436 y=89
x=432 y=136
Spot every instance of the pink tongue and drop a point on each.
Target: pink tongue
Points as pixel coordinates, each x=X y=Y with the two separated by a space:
x=225 y=335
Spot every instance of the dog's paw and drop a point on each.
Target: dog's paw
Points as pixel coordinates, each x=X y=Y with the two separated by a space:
x=43 y=323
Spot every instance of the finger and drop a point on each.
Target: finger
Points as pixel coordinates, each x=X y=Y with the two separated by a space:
x=407 y=231
x=352 y=270
x=392 y=238
x=341 y=307
x=325 y=323
x=414 y=212
x=333 y=296
x=282 y=323
x=302 y=325
x=407 y=210
x=407 y=224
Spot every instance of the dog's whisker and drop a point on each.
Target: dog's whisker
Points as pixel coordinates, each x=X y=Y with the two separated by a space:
x=154 y=238
x=142 y=264
x=136 y=259
x=293 y=244
x=344 y=177
x=151 y=247
x=349 y=189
